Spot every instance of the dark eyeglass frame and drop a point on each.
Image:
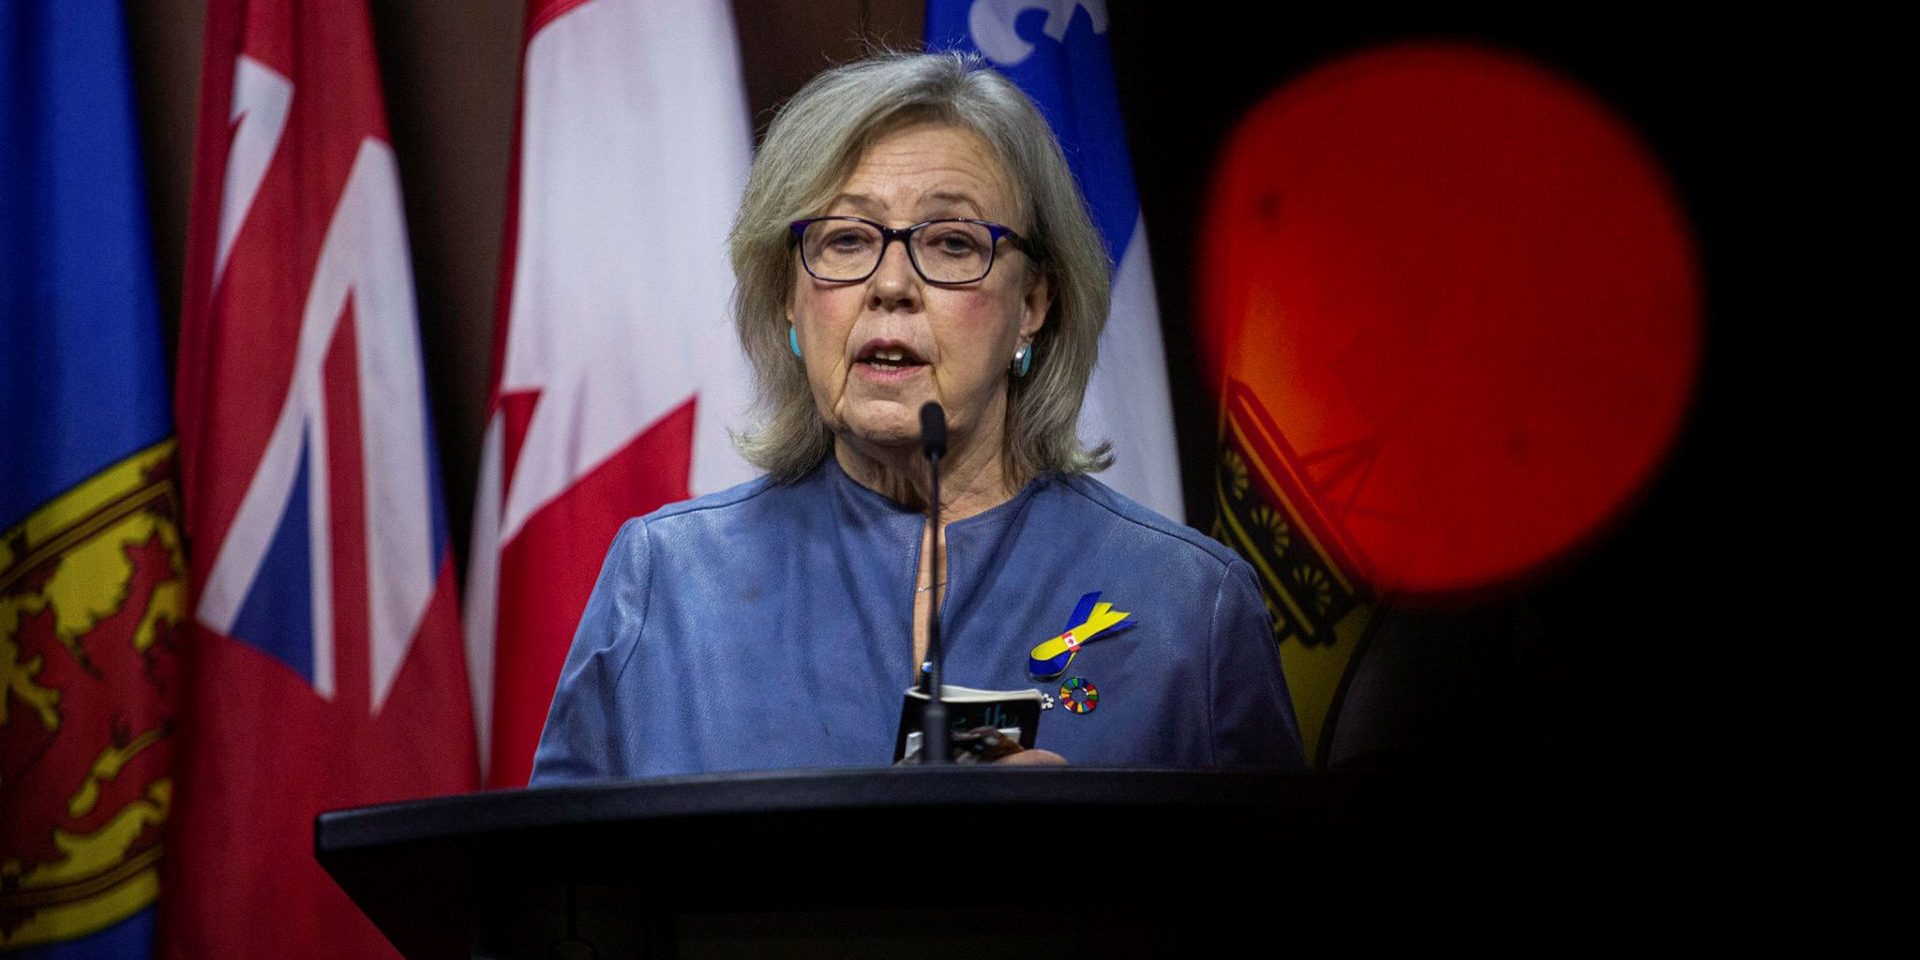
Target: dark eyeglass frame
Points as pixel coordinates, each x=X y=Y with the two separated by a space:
x=995 y=232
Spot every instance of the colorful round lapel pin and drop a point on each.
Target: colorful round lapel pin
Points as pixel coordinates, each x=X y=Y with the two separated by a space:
x=1079 y=696
x=1090 y=619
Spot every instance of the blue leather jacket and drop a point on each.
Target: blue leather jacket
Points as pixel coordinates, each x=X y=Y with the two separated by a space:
x=770 y=627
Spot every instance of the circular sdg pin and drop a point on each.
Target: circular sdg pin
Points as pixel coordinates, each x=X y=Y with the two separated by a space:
x=1079 y=696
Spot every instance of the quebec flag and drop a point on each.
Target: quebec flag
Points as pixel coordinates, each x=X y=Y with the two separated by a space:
x=1056 y=50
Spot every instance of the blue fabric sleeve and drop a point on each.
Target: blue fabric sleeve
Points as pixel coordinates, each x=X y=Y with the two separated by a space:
x=583 y=738
x=1253 y=722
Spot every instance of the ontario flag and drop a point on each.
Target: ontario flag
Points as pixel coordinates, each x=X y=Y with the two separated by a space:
x=616 y=369
x=324 y=667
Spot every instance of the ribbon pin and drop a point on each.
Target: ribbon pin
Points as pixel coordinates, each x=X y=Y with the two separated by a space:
x=1090 y=619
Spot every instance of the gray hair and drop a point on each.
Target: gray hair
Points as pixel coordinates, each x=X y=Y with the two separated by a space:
x=813 y=146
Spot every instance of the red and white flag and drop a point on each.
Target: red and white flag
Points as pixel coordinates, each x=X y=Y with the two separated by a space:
x=323 y=662
x=616 y=369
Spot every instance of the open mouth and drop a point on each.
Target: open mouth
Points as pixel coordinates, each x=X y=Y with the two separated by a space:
x=889 y=356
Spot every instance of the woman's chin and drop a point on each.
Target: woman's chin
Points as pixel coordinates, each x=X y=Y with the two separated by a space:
x=882 y=440
x=882 y=424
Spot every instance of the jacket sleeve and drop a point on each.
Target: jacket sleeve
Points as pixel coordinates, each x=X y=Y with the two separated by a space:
x=583 y=739
x=1252 y=714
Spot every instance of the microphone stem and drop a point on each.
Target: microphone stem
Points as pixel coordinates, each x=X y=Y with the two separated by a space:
x=934 y=731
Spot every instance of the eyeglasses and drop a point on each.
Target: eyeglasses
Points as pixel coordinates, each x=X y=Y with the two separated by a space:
x=849 y=249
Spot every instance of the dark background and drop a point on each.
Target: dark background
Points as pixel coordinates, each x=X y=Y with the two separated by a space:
x=1627 y=674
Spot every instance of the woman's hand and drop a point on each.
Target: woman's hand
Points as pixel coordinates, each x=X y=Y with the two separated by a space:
x=1032 y=758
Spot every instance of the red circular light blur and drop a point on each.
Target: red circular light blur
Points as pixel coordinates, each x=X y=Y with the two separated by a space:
x=1464 y=294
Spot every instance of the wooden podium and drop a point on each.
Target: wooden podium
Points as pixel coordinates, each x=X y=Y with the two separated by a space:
x=1035 y=861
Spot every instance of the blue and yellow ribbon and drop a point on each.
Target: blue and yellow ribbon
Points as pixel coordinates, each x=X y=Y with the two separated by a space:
x=1090 y=619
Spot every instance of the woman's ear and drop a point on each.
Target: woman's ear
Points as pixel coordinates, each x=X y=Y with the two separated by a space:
x=1035 y=306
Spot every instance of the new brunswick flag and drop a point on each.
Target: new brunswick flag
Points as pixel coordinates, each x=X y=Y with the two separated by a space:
x=92 y=584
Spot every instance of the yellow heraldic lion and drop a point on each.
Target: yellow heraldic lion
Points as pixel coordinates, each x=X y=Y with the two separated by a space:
x=92 y=587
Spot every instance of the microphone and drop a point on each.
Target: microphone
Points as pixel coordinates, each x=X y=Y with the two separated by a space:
x=934 y=742
x=933 y=433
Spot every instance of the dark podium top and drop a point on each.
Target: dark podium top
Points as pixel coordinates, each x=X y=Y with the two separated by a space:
x=1126 y=862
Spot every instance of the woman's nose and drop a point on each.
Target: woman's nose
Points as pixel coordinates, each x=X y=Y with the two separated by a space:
x=895 y=283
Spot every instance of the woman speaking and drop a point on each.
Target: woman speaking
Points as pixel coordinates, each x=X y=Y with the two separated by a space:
x=910 y=232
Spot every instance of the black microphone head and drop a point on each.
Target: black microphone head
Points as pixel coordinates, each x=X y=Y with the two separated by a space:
x=933 y=429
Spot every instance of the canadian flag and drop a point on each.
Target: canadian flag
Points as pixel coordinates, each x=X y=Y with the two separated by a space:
x=616 y=370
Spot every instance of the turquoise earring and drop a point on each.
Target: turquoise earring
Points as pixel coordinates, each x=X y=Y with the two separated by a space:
x=1023 y=360
x=793 y=339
